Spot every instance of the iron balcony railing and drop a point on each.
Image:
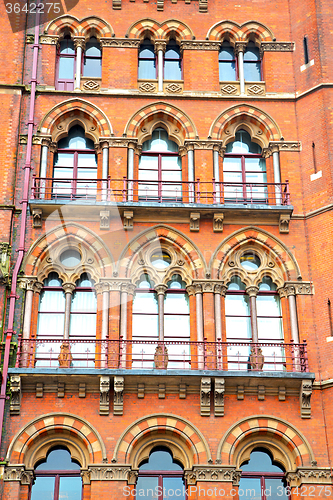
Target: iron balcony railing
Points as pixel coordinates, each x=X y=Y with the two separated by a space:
x=155 y=354
x=129 y=190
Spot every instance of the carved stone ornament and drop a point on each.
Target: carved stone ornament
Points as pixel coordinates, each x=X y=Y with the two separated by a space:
x=205 y=390
x=141 y=390
x=305 y=398
x=203 y=5
x=277 y=46
x=309 y=475
x=18 y=473
x=48 y=39
x=256 y=89
x=160 y=4
x=200 y=45
x=194 y=221
x=173 y=88
x=213 y=473
x=128 y=220
x=118 y=395
x=229 y=89
x=300 y=287
x=116 y=4
x=91 y=85
x=161 y=357
x=61 y=390
x=65 y=357
x=160 y=45
x=15 y=389
x=102 y=472
x=218 y=223
x=37 y=218
x=104 y=219
x=79 y=41
x=219 y=397
x=148 y=87
x=256 y=361
x=104 y=397
x=287 y=145
x=182 y=391
x=127 y=43
x=284 y=223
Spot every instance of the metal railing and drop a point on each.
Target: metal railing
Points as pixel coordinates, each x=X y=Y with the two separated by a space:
x=129 y=190
x=154 y=354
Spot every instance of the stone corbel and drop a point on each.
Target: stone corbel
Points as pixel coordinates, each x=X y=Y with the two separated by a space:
x=160 y=4
x=37 y=214
x=182 y=391
x=218 y=223
x=305 y=398
x=82 y=390
x=203 y=5
x=261 y=392
x=128 y=220
x=39 y=389
x=18 y=473
x=161 y=391
x=118 y=396
x=61 y=390
x=104 y=399
x=15 y=389
x=240 y=392
x=205 y=390
x=219 y=397
x=141 y=390
x=284 y=223
x=194 y=221
x=104 y=219
x=116 y=4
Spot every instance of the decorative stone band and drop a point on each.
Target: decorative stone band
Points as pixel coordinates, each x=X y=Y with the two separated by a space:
x=309 y=476
x=128 y=43
x=277 y=46
x=213 y=473
x=18 y=473
x=200 y=45
x=120 y=285
x=49 y=39
x=119 y=472
x=206 y=286
x=296 y=288
x=118 y=142
x=286 y=145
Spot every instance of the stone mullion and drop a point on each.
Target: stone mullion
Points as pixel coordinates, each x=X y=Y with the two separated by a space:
x=101 y=323
x=114 y=325
x=193 y=324
x=209 y=328
x=220 y=329
x=252 y=292
x=129 y=328
x=68 y=289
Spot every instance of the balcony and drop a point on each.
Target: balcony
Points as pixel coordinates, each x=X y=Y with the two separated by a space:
x=156 y=355
x=255 y=201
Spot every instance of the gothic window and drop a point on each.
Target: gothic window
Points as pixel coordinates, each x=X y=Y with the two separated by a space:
x=227 y=63
x=263 y=478
x=147 y=61
x=172 y=61
x=57 y=477
x=252 y=63
x=65 y=64
x=160 y=477
x=92 y=62
x=244 y=170
x=75 y=166
x=160 y=169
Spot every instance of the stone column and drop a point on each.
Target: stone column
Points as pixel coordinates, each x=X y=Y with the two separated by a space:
x=43 y=169
x=103 y=288
x=252 y=292
x=160 y=290
x=69 y=289
x=291 y=294
x=130 y=170
x=217 y=152
x=190 y=173
x=200 y=327
x=277 y=174
x=79 y=44
x=160 y=47
x=105 y=170
x=123 y=324
x=239 y=51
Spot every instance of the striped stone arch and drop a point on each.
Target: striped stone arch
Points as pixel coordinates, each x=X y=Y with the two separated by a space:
x=194 y=259
x=287 y=445
x=51 y=429
x=79 y=28
x=279 y=252
x=102 y=265
x=180 y=126
x=261 y=127
x=158 y=30
x=162 y=429
x=62 y=116
x=240 y=32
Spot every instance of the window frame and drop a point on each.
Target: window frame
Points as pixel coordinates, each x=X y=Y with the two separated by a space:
x=155 y=59
x=99 y=58
x=178 y=59
x=59 y=56
x=257 y=61
x=235 y=60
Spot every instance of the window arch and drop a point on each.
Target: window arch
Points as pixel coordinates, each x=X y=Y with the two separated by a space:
x=252 y=63
x=160 y=477
x=172 y=61
x=75 y=166
x=147 y=61
x=160 y=169
x=227 y=63
x=92 y=61
x=66 y=58
x=244 y=170
x=263 y=477
x=57 y=476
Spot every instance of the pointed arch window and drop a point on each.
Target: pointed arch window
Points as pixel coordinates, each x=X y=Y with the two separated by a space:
x=75 y=166
x=160 y=477
x=263 y=477
x=252 y=63
x=160 y=169
x=227 y=63
x=92 y=61
x=57 y=477
x=147 y=61
x=65 y=64
x=172 y=61
x=244 y=170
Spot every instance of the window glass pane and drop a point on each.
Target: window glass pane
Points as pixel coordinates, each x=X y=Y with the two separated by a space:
x=238 y=305
x=92 y=67
x=177 y=327
x=227 y=71
x=52 y=301
x=172 y=70
x=145 y=303
x=172 y=176
x=232 y=164
x=50 y=325
x=147 y=69
x=145 y=326
x=255 y=165
x=93 y=47
x=84 y=302
x=64 y=160
x=66 y=68
x=174 y=488
x=249 y=488
x=43 y=488
x=171 y=163
x=172 y=50
x=252 y=72
x=276 y=489
x=67 y=46
x=70 y=488
x=87 y=161
x=251 y=52
x=160 y=460
x=176 y=303
x=268 y=305
x=238 y=355
x=59 y=459
x=260 y=461
x=243 y=144
x=83 y=325
x=227 y=52
x=148 y=162
x=270 y=329
x=236 y=284
x=238 y=328
x=147 y=488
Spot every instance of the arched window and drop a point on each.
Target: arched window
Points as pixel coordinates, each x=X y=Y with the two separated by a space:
x=227 y=63
x=75 y=166
x=60 y=342
x=244 y=170
x=65 y=64
x=172 y=61
x=92 y=62
x=147 y=61
x=254 y=319
x=262 y=478
x=160 y=169
x=57 y=477
x=160 y=477
x=252 y=63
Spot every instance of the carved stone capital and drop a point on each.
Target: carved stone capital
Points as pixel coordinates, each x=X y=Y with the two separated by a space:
x=68 y=287
x=79 y=41
x=252 y=291
x=309 y=475
x=220 y=289
x=240 y=47
x=101 y=287
x=299 y=287
x=160 y=45
x=161 y=289
x=289 y=290
x=18 y=473
x=118 y=396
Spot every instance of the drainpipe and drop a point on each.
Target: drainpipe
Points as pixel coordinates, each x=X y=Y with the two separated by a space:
x=27 y=167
